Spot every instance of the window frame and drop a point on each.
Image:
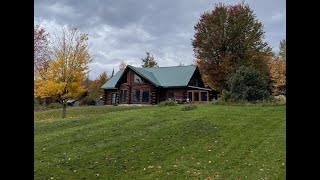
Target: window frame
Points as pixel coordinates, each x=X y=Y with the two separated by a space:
x=135 y=77
x=194 y=96
x=142 y=99
x=197 y=99
x=190 y=99
x=133 y=95
x=123 y=98
x=206 y=96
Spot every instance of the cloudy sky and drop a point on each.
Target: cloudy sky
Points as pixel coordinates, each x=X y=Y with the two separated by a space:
x=126 y=29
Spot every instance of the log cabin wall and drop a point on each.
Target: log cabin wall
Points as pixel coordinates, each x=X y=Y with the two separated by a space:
x=107 y=95
x=127 y=83
x=178 y=93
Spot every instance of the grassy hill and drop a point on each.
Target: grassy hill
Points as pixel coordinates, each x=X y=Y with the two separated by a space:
x=210 y=142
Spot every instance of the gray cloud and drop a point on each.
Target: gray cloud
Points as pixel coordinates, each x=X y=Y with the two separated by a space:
x=125 y=30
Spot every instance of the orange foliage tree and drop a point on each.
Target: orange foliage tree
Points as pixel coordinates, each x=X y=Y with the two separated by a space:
x=227 y=37
x=94 y=87
x=278 y=75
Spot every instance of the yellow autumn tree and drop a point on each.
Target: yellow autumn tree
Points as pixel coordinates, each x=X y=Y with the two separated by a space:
x=68 y=69
x=277 y=69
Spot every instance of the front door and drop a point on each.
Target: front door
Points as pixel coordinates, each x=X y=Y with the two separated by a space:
x=114 y=98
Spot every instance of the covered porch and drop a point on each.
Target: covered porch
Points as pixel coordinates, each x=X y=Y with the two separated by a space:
x=198 y=95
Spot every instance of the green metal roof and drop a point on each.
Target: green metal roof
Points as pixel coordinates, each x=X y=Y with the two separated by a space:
x=174 y=76
x=146 y=74
x=111 y=83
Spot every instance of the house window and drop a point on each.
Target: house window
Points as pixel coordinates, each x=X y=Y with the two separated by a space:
x=114 y=98
x=137 y=79
x=190 y=96
x=196 y=96
x=136 y=95
x=145 y=96
x=171 y=95
x=204 y=96
x=123 y=95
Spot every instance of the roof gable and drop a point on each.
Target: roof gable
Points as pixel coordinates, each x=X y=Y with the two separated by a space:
x=146 y=74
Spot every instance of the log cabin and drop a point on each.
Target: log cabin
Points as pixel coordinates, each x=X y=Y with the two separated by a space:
x=135 y=85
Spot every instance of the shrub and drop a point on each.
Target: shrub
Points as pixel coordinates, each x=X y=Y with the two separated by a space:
x=246 y=84
x=280 y=98
x=87 y=101
x=189 y=107
x=167 y=103
x=225 y=96
x=83 y=95
x=37 y=103
x=218 y=101
x=54 y=105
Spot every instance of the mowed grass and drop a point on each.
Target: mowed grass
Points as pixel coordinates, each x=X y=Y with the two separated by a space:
x=210 y=142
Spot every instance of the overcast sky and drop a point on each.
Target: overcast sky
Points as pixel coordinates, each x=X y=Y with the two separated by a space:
x=125 y=29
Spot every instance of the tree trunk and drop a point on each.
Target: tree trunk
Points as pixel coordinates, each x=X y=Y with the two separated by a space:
x=64 y=111
x=44 y=104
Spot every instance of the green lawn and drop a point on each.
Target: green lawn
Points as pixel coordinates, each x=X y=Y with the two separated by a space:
x=210 y=142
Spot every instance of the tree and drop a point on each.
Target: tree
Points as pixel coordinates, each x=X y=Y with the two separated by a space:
x=246 y=84
x=122 y=65
x=282 y=52
x=41 y=51
x=278 y=75
x=41 y=55
x=86 y=82
x=149 y=61
x=103 y=78
x=277 y=68
x=112 y=72
x=225 y=39
x=67 y=71
x=94 y=88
